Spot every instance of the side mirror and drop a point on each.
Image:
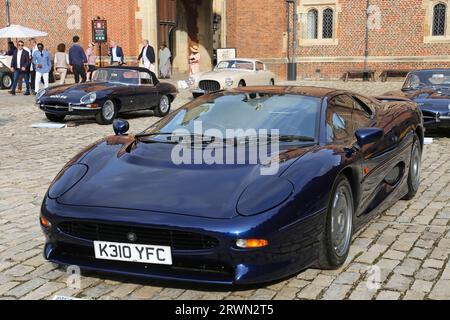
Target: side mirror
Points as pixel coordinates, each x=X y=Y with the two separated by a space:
x=367 y=136
x=121 y=127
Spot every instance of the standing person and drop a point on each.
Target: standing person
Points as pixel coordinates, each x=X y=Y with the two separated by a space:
x=164 y=61
x=20 y=80
x=116 y=54
x=194 y=61
x=32 y=50
x=91 y=58
x=20 y=65
x=147 y=56
x=62 y=63
x=77 y=60
x=11 y=49
x=43 y=65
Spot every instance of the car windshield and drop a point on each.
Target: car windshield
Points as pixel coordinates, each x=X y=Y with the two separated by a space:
x=423 y=79
x=123 y=76
x=231 y=114
x=235 y=64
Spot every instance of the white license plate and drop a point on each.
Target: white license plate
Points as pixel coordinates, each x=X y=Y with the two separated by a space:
x=133 y=252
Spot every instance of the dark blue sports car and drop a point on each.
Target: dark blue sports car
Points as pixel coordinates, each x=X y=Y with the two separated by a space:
x=185 y=200
x=112 y=91
x=430 y=89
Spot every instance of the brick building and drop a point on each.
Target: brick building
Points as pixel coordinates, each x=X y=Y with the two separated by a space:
x=331 y=34
x=402 y=34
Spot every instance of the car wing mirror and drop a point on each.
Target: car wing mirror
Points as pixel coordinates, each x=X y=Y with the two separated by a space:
x=121 y=127
x=366 y=136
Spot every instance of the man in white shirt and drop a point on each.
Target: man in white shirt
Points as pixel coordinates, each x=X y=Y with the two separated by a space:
x=20 y=66
x=147 y=56
x=116 y=54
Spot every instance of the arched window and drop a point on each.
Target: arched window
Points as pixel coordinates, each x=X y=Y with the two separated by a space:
x=313 y=19
x=327 y=32
x=439 y=13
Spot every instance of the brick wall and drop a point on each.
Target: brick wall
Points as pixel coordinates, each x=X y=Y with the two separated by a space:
x=256 y=29
x=59 y=18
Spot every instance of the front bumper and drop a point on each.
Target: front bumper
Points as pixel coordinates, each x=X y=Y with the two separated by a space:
x=70 y=109
x=434 y=120
x=291 y=249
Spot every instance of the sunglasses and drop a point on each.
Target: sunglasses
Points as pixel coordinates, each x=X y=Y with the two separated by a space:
x=20 y=45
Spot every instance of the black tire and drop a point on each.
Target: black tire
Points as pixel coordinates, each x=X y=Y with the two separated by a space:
x=108 y=113
x=242 y=84
x=415 y=167
x=331 y=257
x=54 y=117
x=6 y=81
x=163 y=107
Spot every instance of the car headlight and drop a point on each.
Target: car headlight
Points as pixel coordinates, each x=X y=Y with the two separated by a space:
x=190 y=82
x=264 y=194
x=40 y=94
x=89 y=98
x=229 y=82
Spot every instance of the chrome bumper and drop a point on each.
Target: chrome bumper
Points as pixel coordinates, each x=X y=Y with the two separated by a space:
x=69 y=108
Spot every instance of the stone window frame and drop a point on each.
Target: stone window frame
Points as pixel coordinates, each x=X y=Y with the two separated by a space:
x=320 y=5
x=429 y=5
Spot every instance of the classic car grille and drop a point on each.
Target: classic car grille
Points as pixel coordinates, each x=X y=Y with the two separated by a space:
x=209 y=85
x=177 y=240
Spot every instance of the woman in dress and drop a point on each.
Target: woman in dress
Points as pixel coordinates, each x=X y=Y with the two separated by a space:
x=164 y=61
x=194 y=61
x=91 y=57
x=62 y=62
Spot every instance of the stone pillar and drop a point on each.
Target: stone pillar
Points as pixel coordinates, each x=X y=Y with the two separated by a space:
x=148 y=13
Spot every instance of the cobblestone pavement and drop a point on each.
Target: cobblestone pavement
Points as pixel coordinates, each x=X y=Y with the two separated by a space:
x=409 y=243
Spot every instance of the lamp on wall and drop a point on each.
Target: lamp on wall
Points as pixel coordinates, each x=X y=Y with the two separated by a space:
x=216 y=21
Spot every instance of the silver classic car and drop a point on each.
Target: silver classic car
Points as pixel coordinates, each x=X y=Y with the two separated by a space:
x=230 y=74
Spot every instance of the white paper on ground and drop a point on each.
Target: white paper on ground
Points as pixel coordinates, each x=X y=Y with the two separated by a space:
x=428 y=140
x=49 y=125
x=64 y=298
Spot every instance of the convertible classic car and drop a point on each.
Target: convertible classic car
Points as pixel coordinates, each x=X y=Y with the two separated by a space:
x=6 y=77
x=342 y=158
x=112 y=91
x=230 y=74
x=430 y=89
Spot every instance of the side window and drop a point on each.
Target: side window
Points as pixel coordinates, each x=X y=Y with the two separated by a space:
x=145 y=78
x=259 y=66
x=361 y=113
x=339 y=119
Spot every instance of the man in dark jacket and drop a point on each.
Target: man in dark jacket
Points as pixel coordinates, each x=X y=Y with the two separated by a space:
x=78 y=61
x=20 y=66
x=116 y=54
x=147 y=56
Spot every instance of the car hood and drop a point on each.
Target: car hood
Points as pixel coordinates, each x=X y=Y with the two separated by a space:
x=427 y=99
x=221 y=75
x=146 y=179
x=78 y=90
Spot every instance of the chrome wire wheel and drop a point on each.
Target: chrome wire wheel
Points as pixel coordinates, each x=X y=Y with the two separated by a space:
x=108 y=110
x=341 y=221
x=7 y=81
x=164 y=104
x=416 y=165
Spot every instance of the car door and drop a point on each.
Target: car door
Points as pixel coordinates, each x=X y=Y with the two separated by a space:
x=146 y=93
x=377 y=159
x=262 y=77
